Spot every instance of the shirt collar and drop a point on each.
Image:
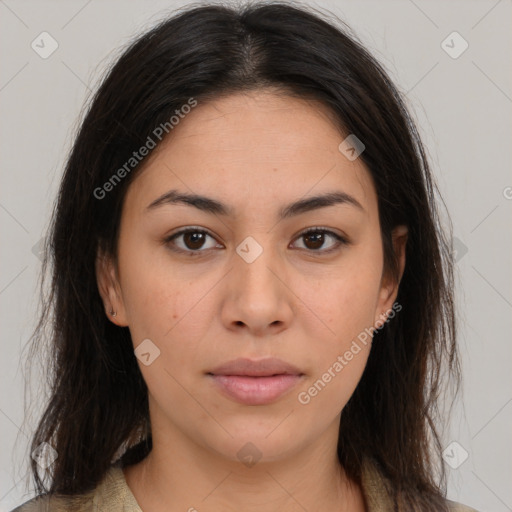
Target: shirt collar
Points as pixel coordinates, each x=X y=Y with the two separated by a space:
x=114 y=492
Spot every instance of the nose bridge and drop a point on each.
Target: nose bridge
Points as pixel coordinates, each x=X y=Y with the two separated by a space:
x=257 y=298
x=252 y=262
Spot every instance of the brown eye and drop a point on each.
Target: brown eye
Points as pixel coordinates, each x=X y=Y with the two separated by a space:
x=315 y=238
x=190 y=241
x=194 y=240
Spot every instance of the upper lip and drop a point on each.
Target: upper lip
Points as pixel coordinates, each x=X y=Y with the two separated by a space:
x=260 y=368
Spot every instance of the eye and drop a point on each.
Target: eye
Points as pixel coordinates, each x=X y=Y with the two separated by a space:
x=192 y=240
x=315 y=238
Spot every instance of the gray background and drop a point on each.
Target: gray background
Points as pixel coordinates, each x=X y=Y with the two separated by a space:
x=462 y=106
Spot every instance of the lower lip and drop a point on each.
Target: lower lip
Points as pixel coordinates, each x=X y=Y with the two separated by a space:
x=255 y=390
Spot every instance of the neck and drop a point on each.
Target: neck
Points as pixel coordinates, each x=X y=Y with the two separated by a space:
x=180 y=475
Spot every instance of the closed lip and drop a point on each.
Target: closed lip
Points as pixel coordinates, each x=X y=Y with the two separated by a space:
x=256 y=368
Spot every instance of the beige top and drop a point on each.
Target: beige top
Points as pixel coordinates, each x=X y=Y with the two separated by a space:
x=113 y=495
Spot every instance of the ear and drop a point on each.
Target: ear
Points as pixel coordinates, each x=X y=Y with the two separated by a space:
x=389 y=284
x=110 y=290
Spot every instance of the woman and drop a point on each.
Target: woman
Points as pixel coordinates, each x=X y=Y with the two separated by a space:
x=251 y=292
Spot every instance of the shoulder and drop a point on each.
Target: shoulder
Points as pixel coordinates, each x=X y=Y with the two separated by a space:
x=39 y=503
x=459 y=507
x=378 y=490
x=48 y=503
x=112 y=493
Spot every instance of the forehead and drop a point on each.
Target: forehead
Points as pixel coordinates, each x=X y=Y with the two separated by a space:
x=253 y=150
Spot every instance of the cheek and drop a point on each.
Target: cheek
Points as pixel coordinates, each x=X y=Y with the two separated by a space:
x=171 y=307
x=151 y=294
x=338 y=357
x=341 y=303
x=167 y=309
x=327 y=393
x=345 y=302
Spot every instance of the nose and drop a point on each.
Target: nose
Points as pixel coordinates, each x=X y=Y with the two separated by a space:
x=257 y=297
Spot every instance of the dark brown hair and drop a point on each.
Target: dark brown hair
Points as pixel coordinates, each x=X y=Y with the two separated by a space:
x=98 y=406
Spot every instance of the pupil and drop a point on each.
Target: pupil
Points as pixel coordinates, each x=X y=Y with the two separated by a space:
x=318 y=239
x=197 y=240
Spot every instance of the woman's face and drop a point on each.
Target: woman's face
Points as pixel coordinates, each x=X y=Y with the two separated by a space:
x=254 y=286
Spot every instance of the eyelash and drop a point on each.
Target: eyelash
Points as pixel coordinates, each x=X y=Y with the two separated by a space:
x=341 y=241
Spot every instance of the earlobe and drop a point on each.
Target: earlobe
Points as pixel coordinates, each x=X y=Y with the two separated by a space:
x=109 y=290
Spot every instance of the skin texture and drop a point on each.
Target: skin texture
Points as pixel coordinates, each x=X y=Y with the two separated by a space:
x=256 y=152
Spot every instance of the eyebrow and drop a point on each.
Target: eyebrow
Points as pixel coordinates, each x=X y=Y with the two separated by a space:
x=210 y=205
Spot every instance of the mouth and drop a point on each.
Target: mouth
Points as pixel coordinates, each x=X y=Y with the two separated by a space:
x=255 y=382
